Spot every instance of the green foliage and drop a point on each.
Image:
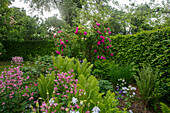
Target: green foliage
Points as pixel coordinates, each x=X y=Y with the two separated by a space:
x=101 y=69
x=67 y=64
x=46 y=86
x=164 y=108
x=104 y=86
x=109 y=103
x=120 y=71
x=146 y=83
x=25 y=48
x=147 y=47
x=91 y=90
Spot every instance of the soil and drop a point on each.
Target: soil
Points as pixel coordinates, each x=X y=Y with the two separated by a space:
x=137 y=104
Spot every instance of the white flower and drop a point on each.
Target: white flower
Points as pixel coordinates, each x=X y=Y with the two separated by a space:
x=124 y=91
x=72 y=111
x=51 y=101
x=74 y=100
x=133 y=93
x=124 y=88
x=123 y=80
x=133 y=88
x=130 y=111
x=77 y=112
x=95 y=109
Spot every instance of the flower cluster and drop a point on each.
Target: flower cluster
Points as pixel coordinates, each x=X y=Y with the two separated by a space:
x=61 y=41
x=65 y=88
x=13 y=85
x=17 y=60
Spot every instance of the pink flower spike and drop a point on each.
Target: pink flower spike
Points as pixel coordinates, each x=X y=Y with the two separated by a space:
x=85 y=33
x=95 y=51
x=98 y=24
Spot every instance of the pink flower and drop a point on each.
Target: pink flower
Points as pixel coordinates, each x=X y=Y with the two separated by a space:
x=62 y=43
x=27 y=77
x=3 y=103
x=110 y=45
x=102 y=37
x=0 y=53
x=108 y=28
x=109 y=39
x=71 y=91
x=87 y=111
x=76 y=32
x=94 y=26
x=95 y=51
x=66 y=40
x=77 y=28
x=60 y=31
x=98 y=43
x=55 y=104
x=98 y=57
x=98 y=24
x=72 y=70
x=54 y=36
x=107 y=47
x=57 y=52
x=109 y=32
x=85 y=33
x=111 y=54
x=61 y=49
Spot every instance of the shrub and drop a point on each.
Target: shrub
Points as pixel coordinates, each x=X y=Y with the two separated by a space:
x=147 y=47
x=104 y=86
x=26 y=48
x=117 y=71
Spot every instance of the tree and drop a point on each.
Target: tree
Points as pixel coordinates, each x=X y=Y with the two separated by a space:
x=65 y=7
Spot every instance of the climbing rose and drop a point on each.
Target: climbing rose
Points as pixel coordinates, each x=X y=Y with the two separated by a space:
x=57 y=52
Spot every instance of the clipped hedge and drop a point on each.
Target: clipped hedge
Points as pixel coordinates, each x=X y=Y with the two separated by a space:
x=147 y=47
x=26 y=48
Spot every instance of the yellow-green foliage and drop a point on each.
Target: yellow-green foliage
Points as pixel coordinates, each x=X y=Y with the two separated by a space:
x=146 y=82
x=108 y=104
x=165 y=108
x=46 y=85
x=92 y=97
x=66 y=64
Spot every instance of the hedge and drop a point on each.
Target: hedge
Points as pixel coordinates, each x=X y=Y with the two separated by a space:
x=147 y=47
x=26 y=48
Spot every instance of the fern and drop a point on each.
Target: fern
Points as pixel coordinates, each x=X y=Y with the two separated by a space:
x=46 y=85
x=146 y=82
x=165 y=108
